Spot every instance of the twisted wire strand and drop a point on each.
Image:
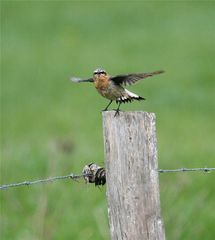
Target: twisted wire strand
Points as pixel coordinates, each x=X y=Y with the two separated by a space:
x=186 y=170
x=74 y=177
x=47 y=180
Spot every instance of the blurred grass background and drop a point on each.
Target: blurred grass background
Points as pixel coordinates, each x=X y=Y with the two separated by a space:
x=50 y=126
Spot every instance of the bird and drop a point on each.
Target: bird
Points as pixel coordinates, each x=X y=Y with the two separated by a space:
x=112 y=87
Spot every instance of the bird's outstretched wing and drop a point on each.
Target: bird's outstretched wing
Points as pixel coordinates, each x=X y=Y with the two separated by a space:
x=130 y=79
x=78 y=80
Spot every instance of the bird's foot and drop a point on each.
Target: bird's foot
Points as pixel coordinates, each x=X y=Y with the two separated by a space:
x=117 y=111
x=104 y=110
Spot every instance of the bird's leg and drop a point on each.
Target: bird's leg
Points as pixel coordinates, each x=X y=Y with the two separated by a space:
x=117 y=110
x=108 y=105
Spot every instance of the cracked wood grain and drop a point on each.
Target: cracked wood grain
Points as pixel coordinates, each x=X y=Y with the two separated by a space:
x=132 y=177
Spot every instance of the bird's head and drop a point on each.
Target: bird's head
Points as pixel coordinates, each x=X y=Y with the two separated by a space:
x=99 y=71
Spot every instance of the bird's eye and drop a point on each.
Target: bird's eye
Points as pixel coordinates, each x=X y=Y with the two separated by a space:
x=102 y=72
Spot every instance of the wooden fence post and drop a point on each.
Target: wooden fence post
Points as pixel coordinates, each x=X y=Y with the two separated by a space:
x=132 y=176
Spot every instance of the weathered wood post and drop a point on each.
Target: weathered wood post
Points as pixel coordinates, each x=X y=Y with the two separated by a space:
x=132 y=176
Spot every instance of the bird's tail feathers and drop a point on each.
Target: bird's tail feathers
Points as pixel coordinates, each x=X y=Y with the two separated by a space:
x=128 y=97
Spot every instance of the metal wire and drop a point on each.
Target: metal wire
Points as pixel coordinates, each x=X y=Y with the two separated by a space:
x=74 y=177
x=47 y=180
x=186 y=170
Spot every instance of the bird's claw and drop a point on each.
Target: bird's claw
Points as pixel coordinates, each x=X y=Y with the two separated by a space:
x=117 y=111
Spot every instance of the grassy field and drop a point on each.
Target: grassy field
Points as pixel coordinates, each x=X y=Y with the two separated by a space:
x=51 y=127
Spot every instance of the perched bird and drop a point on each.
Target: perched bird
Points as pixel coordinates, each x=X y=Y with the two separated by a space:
x=112 y=87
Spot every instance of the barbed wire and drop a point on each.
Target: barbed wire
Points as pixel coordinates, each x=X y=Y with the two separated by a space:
x=47 y=180
x=91 y=175
x=186 y=170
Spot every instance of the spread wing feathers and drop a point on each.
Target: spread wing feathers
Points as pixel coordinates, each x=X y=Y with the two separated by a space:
x=78 y=80
x=130 y=79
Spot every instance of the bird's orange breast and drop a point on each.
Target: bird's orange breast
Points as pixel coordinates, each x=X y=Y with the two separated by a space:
x=101 y=83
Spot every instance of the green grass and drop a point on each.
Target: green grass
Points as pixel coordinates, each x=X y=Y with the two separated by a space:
x=42 y=44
